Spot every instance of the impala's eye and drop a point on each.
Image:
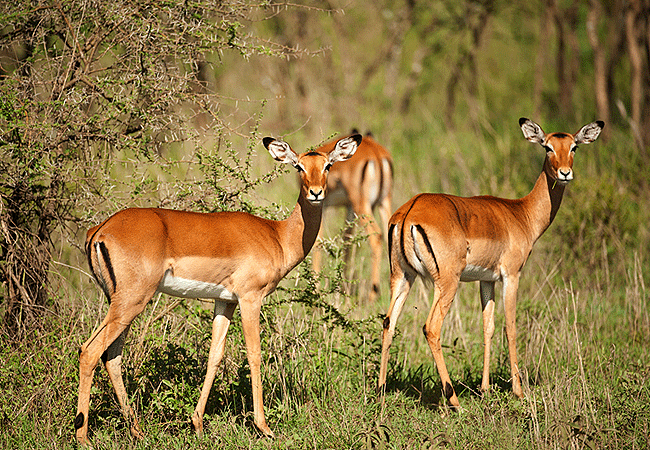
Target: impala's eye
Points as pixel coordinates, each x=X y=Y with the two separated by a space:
x=573 y=150
x=548 y=149
x=327 y=167
x=299 y=168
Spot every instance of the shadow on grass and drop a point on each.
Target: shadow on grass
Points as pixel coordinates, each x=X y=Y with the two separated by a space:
x=165 y=387
x=422 y=383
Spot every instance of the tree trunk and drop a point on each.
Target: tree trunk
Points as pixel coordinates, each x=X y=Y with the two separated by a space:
x=600 y=63
x=633 y=35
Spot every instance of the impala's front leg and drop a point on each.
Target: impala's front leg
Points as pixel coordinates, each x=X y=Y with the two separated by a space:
x=250 y=317
x=510 y=286
x=487 y=302
x=222 y=316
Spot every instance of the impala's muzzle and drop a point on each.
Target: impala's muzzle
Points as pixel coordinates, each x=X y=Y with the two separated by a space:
x=564 y=175
x=316 y=195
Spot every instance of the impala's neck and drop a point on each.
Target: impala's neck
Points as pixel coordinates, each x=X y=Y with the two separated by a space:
x=299 y=231
x=543 y=202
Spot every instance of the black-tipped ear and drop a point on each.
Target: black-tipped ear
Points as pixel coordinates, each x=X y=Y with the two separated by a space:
x=344 y=148
x=532 y=131
x=266 y=141
x=589 y=133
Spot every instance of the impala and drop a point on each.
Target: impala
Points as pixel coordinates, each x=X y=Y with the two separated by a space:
x=446 y=239
x=361 y=184
x=232 y=257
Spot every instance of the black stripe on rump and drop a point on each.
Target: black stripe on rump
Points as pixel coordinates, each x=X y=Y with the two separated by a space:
x=390 y=245
x=90 y=260
x=109 y=265
x=420 y=230
x=363 y=171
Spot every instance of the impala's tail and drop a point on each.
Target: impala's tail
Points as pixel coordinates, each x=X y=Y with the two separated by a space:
x=99 y=261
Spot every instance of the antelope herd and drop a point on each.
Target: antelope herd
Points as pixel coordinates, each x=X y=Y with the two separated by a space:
x=236 y=258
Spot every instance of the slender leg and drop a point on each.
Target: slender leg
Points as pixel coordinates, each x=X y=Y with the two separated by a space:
x=348 y=249
x=347 y=234
x=384 y=214
x=250 y=315
x=487 y=302
x=400 y=285
x=374 y=238
x=510 y=286
x=112 y=358
x=117 y=320
x=222 y=316
x=444 y=292
x=363 y=211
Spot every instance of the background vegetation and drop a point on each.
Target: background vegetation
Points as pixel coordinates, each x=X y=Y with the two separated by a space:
x=105 y=105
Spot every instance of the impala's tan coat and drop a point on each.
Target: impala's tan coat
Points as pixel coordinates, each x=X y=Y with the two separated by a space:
x=234 y=257
x=448 y=239
x=361 y=184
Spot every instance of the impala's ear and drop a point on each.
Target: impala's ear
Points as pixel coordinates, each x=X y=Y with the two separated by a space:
x=589 y=133
x=532 y=131
x=345 y=148
x=280 y=150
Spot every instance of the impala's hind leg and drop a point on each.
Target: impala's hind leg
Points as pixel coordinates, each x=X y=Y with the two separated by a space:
x=400 y=285
x=117 y=320
x=444 y=292
x=374 y=238
x=112 y=358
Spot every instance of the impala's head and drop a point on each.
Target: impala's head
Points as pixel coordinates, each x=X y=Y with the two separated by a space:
x=560 y=147
x=313 y=166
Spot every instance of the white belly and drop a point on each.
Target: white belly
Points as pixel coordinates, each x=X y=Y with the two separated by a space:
x=181 y=287
x=477 y=273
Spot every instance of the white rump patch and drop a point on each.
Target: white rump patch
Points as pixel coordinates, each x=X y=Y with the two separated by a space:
x=372 y=182
x=477 y=273
x=418 y=258
x=182 y=287
x=387 y=173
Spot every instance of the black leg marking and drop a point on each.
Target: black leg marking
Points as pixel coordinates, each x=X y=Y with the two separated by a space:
x=449 y=391
x=79 y=421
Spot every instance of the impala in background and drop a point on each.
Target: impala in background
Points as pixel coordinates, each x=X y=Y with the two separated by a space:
x=447 y=239
x=361 y=184
x=234 y=258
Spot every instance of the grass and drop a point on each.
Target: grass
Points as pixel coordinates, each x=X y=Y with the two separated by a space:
x=583 y=319
x=585 y=357
x=583 y=326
